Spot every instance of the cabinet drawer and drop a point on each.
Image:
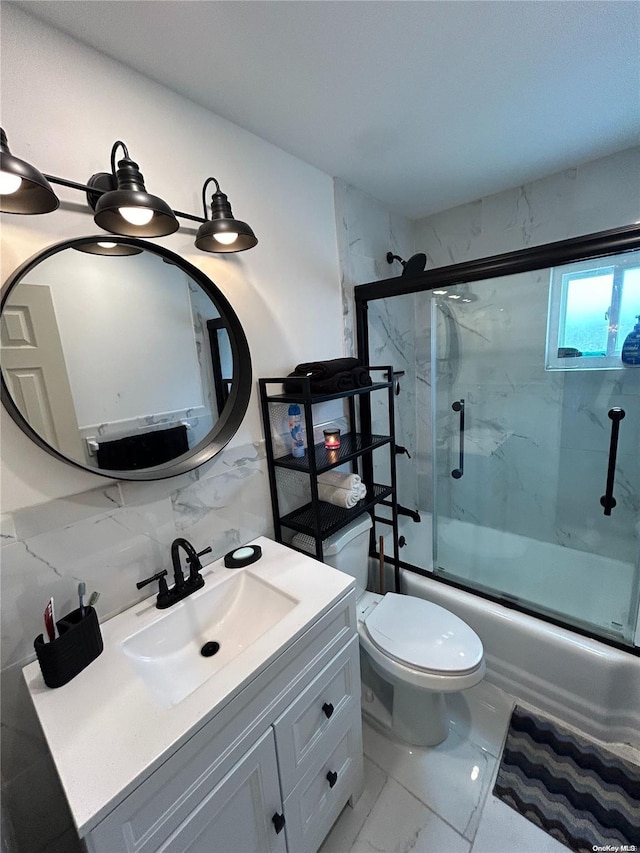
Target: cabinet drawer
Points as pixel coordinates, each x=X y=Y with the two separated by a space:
x=315 y=803
x=304 y=731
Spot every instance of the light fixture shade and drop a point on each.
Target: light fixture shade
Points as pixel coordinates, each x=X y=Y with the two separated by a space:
x=206 y=236
x=34 y=194
x=109 y=217
x=215 y=235
x=125 y=189
x=100 y=246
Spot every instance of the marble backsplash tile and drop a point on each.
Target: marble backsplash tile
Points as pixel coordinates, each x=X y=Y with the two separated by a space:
x=7 y=529
x=31 y=521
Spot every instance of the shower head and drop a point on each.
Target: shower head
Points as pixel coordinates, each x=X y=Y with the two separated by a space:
x=414 y=266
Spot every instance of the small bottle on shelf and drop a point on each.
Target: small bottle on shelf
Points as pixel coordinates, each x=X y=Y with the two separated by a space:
x=296 y=431
x=631 y=346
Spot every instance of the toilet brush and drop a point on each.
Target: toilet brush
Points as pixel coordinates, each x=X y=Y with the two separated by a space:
x=381 y=556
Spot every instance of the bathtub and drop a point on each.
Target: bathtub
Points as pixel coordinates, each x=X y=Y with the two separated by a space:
x=586 y=683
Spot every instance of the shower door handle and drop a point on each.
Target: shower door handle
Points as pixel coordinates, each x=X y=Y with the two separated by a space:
x=607 y=500
x=458 y=406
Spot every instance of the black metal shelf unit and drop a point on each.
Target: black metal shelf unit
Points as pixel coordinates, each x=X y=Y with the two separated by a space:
x=318 y=518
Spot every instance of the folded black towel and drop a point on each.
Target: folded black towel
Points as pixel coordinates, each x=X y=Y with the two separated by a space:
x=326 y=369
x=344 y=381
x=361 y=377
x=143 y=450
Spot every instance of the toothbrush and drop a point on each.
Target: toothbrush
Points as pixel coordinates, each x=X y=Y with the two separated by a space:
x=50 y=627
x=81 y=592
x=93 y=598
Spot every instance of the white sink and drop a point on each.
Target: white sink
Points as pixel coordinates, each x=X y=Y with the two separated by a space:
x=235 y=614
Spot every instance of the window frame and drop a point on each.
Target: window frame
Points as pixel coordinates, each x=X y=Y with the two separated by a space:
x=560 y=278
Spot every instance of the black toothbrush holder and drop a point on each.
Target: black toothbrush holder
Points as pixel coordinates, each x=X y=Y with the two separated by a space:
x=79 y=642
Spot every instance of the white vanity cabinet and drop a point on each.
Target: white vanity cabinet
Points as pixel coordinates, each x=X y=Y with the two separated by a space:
x=270 y=772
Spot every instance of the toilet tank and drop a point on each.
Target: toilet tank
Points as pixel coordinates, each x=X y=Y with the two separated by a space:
x=347 y=550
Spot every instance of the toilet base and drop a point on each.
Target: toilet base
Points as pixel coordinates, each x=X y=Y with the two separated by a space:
x=417 y=717
x=420 y=718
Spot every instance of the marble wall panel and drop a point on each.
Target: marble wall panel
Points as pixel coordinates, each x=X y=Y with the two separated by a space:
x=7 y=529
x=366 y=231
x=34 y=520
x=225 y=511
x=589 y=197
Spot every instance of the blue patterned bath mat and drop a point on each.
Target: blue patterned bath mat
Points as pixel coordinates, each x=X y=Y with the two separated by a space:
x=583 y=795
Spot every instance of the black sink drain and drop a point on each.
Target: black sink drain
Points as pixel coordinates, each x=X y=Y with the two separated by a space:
x=209 y=649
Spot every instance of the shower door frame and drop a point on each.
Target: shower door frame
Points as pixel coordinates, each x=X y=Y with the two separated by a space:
x=588 y=247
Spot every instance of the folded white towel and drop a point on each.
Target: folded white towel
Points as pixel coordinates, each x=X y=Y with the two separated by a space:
x=339 y=479
x=347 y=498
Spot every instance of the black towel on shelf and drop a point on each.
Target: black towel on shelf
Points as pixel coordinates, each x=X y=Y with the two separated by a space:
x=326 y=369
x=325 y=378
x=332 y=385
x=143 y=450
x=361 y=377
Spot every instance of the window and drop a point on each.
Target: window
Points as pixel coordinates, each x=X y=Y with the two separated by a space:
x=593 y=305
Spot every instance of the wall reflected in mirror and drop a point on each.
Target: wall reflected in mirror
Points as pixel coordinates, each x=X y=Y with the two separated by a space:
x=118 y=362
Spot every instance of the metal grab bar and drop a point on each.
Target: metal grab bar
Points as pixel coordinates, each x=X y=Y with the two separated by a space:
x=458 y=406
x=607 y=500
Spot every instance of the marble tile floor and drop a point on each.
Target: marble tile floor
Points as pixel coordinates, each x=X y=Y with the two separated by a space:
x=438 y=799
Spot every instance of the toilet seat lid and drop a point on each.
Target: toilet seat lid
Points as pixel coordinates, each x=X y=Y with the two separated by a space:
x=423 y=635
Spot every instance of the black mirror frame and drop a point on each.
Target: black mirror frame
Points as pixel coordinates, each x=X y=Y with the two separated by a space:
x=236 y=405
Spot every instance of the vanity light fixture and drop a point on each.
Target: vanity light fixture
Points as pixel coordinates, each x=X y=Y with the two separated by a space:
x=125 y=207
x=222 y=233
x=23 y=189
x=122 y=204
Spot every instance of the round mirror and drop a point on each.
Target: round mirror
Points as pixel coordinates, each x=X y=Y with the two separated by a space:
x=121 y=358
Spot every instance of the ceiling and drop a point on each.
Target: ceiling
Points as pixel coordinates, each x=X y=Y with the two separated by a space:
x=424 y=105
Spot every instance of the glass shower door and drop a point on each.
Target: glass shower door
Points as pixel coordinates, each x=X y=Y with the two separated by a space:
x=523 y=448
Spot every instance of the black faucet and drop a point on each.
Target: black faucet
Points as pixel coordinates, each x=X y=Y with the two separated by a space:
x=182 y=586
x=195 y=579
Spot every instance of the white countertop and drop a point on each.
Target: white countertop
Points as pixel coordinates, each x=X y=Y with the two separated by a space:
x=104 y=729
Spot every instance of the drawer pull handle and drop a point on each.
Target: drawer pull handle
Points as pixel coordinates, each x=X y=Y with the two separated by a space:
x=278 y=822
x=332 y=778
x=328 y=709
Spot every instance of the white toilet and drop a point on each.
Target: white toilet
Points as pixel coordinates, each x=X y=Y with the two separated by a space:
x=414 y=651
